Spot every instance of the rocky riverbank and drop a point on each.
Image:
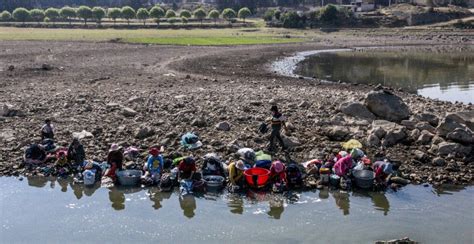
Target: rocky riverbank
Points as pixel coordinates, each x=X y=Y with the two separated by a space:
x=146 y=95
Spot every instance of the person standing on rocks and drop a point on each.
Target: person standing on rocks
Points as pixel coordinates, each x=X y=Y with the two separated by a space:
x=47 y=131
x=277 y=122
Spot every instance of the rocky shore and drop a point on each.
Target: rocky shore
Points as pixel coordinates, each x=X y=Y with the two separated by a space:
x=145 y=95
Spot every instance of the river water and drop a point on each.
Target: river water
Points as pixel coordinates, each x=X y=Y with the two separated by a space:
x=38 y=210
x=445 y=74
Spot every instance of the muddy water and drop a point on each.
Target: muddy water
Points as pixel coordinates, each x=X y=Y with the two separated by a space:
x=446 y=75
x=37 y=210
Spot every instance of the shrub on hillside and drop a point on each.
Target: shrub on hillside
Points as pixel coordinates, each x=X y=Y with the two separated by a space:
x=268 y=16
x=229 y=14
x=128 y=13
x=98 y=13
x=200 y=14
x=37 y=15
x=293 y=20
x=214 y=14
x=21 y=14
x=67 y=13
x=143 y=14
x=185 y=13
x=329 y=14
x=157 y=13
x=170 y=14
x=5 y=16
x=52 y=14
x=244 y=13
x=84 y=13
x=114 y=14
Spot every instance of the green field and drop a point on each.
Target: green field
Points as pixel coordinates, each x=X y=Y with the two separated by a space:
x=228 y=36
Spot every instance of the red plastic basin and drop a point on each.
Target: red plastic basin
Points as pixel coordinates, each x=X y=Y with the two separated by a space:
x=257 y=177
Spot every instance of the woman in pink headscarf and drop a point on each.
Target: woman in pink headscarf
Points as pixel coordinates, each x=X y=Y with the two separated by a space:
x=343 y=165
x=277 y=172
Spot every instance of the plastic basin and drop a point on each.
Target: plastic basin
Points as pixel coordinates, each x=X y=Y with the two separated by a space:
x=214 y=180
x=364 y=178
x=257 y=177
x=129 y=177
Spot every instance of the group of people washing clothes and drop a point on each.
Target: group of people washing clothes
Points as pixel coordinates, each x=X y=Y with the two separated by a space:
x=248 y=169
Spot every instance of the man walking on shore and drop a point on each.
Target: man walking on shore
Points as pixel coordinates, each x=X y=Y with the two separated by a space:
x=277 y=122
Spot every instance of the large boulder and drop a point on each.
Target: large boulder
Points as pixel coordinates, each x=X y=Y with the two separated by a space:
x=337 y=132
x=128 y=112
x=427 y=117
x=466 y=118
x=425 y=137
x=290 y=142
x=386 y=105
x=462 y=135
x=454 y=121
x=144 y=132
x=223 y=126
x=388 y=132
x=446 y=148
x=425 y=126
x=356 y=109
x=199 y=122
x=373 y=140
x=8 y=110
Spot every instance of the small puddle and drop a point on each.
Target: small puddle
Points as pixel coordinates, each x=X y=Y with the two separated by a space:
x=42 y=210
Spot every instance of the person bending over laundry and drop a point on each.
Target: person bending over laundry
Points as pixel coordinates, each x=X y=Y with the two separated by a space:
x=236 y=174
x=277 y=173
x=115 y=160
x=155 y=164
x=76 y=153
x=187 y=169
x=212 y=166
x=383 y=170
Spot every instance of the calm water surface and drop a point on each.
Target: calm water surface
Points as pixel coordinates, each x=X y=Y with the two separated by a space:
x=446 y=75
x=38 y=210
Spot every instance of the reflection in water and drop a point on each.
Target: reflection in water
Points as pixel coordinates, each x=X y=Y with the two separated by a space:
x=63 y=183
x=117 y=198
x=37 y=181
x=342 y=201
x=276 y=207
x=380 y=202
x=448 y=190
x=188 y=205
x=450 y=72
x=156 y=196
x=276 y=202
x=235 y=203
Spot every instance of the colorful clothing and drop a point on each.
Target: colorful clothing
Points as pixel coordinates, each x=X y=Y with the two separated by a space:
x=155 y=164
x=379 y=168
x=343 y=165
x=186 y=169
x=278 y=177
x=235 y=175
